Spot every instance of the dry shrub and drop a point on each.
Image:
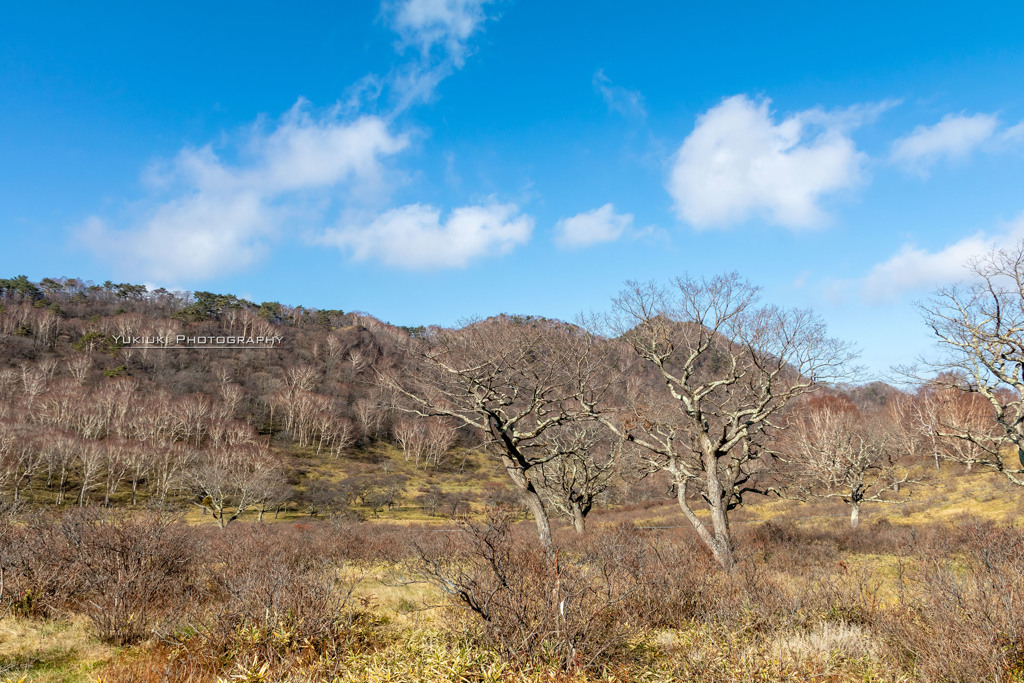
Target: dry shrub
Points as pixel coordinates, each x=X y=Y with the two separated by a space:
x=128 y=575
x=277 y=600
x=563 y=610
x=961 y=614
x=673 y=581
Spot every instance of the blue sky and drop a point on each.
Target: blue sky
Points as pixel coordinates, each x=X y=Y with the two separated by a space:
x=430 y=160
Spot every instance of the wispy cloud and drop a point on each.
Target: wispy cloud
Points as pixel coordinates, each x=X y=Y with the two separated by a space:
x=448 y=24
x=416 y=237
x=956 y=136
x=628 y=103
x=439 y=30
x=913 y=268
x=740 y=162
x=592 y=227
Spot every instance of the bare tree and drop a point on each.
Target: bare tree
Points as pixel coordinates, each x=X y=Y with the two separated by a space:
x=303 y=377
x=913 y=425
x=230 y=481
x=370 y=415
x=979 y=327
x=440 y=437
x=510 y=379
x=411 y=435
x=167 y=466
x=726 y=368
x=192 y=417
x=59 y=452
x=960 y=424
x=586 y=461
x=833 y=450
x=79 y=366
x=89 y=457
x=339 y=434
x=139 y=463
x=21 y=456
x=118 y=459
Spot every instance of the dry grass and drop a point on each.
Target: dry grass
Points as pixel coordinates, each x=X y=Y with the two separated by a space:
x=813 y=600
x=50 y=651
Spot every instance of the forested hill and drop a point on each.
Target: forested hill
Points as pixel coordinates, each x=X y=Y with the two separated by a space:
x=92 y=416
x=61 y=330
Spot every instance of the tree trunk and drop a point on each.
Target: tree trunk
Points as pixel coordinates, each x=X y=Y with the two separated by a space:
x=533 y=502
x=722 y=549
x=579 y=520
x=540 y=516
x=62 y=485
x=719 y=544
x=854 y=514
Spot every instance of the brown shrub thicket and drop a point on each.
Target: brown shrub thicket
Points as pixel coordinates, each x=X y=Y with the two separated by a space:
x=933 y=602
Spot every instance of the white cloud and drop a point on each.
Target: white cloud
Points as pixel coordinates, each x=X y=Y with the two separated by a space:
x=448 y=23
x=592 y=227
x=629 y=103
x=1014 y=134
x=222 y=215
x=914 y=268
x=305 y=153
x=415 y=237
x=440 y=30
x=954 y=137
x=738 y=162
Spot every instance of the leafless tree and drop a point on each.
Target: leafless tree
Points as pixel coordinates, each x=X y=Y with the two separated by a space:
x=959 y=424
x=168 y=466
x=979 y=327
x=411 y=435
x=512 y=380
x=912 y=425
x=833 y=450
x=59 y=451
x=726 y=367
x=440 y=436
x=79 y=366
x=370 y=415
x=192 y=416
x=48 y=366
x=139 y=463
x=21 y=456
x=231 y=396
x=303 y=377
x=33 y=382
x=586 y=461
x=343 y=435
x=117 y=460
x=230 y=481
x=89 y=458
